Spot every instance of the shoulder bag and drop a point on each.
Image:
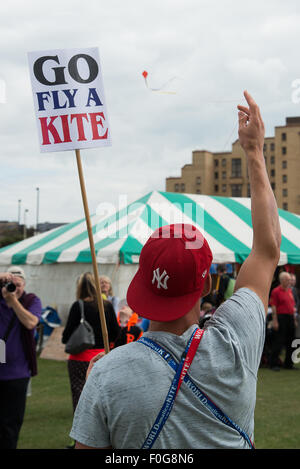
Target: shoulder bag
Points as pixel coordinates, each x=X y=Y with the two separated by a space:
x=83 y=337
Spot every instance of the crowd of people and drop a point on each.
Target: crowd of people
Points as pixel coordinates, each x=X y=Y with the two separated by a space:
x=123 y=326
x=214 y=383
x=282 y=318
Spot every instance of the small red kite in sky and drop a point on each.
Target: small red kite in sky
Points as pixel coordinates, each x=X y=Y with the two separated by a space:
x=162 y=89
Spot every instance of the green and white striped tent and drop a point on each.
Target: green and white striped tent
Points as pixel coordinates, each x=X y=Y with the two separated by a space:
x=53 y=260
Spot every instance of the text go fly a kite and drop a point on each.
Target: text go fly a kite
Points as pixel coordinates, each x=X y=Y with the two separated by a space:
x=69 y=99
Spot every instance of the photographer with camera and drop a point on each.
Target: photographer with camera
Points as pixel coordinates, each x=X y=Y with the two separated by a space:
x=19 y=315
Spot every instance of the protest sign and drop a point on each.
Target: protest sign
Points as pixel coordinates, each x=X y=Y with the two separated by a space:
x=69 y=99
x=71 y=114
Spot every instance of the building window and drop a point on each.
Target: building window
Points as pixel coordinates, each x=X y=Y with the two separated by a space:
x=283 y=137
x=284 y=178
x=223 y=174
x=272 y=173
x=283 y=150
x=248 y=190
x=273 y=185
x=272 y=146
x=265 y=161
x=182 y=187
x=198 y=180
x=224 y=187
x=216 y=175
x=198 y=191
x=285 y=206
x=236 y=190
x=265 y=146
x=284 y=192
x=284 y=164
x=223 y=162
x=216 y=163
x=272 y=160
x=236 y=167
x=176 y=187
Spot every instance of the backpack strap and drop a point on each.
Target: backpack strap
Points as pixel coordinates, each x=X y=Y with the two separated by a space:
x=9 y=328
x=27 y=336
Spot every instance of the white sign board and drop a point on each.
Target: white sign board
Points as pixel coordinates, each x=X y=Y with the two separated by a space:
x=69 y=99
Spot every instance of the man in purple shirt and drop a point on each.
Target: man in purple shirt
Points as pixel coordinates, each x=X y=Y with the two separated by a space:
x=19 y=315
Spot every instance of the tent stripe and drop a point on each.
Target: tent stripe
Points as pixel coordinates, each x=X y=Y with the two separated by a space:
x=176 y=215
x=245 y=214
x=290 y=217
x=212 y=227
x=85 y=255
x=225 y=222
x=53 y=255
x=110 y=231
x=152 y=218
x=226 y=218
x=37 y=255
x=111 y=253
x=9 y=246
x=126 y=232
x=15 y=247
x=21 y=256
x=130 y=248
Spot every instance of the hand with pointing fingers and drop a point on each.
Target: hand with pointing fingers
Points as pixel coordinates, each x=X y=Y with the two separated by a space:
x=251 y=126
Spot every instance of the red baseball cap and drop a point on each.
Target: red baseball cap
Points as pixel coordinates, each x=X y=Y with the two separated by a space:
x=174 y=264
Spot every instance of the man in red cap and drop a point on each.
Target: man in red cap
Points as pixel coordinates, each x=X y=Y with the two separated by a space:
x=178 y=386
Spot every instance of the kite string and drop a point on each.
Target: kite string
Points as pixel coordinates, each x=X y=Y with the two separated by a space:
x=233 y=130
x=158 y=90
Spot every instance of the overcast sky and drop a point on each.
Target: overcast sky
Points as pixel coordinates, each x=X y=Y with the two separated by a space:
x=213 y=49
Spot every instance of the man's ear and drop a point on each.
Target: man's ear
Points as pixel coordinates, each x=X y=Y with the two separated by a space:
x=207 y=286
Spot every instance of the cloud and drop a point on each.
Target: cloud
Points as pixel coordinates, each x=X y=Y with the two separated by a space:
x=215 y=49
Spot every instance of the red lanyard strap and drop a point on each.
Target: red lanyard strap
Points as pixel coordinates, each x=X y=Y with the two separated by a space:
x=192 y=348
x=182 y=368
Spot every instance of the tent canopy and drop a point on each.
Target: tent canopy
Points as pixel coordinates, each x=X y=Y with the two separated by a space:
x=120 y=236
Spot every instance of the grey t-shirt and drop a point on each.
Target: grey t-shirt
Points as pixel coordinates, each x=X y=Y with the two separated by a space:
x=127 y=387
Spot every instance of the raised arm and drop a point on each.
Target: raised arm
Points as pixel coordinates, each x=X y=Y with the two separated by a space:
x=257 y=271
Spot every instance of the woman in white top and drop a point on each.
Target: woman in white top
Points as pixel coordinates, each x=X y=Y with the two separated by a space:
x=106 y=288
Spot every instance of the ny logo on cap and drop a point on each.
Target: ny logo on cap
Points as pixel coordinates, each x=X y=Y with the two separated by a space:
x=159 y=278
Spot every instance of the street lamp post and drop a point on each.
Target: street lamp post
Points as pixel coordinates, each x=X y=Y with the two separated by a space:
x=37 y=209
x=19 y=211
x=25 y=232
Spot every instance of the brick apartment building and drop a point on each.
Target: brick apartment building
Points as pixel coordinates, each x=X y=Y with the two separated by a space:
x=226 y=174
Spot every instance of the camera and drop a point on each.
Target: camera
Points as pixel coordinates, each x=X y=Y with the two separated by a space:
x=10 y=286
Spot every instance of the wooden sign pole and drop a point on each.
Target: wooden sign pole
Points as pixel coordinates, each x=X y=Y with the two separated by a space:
x=92 y=247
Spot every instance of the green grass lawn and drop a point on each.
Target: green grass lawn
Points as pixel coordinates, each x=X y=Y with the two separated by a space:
x=277 y=413
x=48 y=416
